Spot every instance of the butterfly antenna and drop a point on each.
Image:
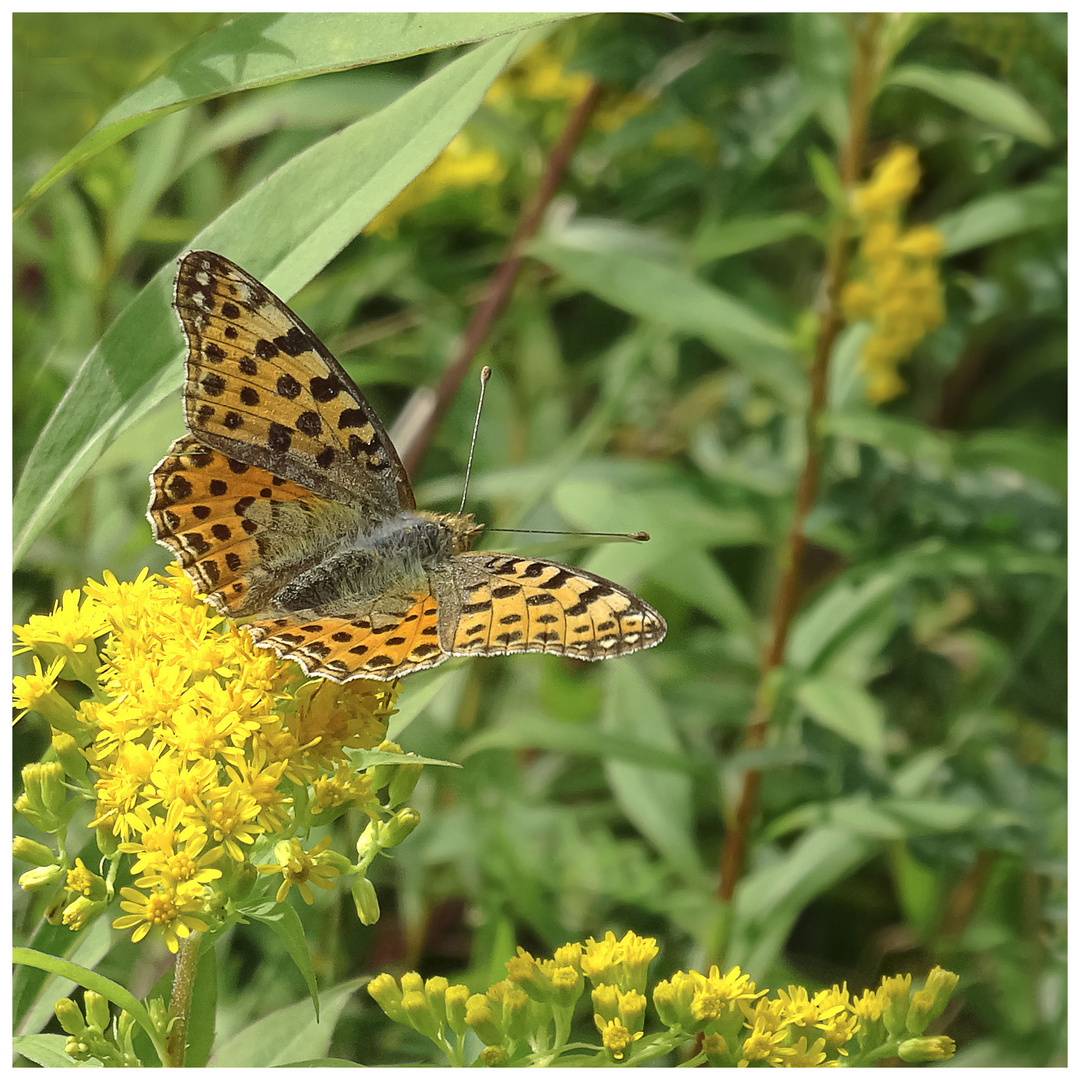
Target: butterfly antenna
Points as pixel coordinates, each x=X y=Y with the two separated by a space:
x=634 y=537
x=485 y=374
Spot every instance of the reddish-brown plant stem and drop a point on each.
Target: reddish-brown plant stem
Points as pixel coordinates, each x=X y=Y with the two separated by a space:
x=505 y=275
x=863 y=79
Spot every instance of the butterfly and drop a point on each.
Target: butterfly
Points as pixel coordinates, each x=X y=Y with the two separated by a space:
x=289 y=508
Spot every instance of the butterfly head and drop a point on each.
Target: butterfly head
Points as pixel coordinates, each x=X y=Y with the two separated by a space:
x=463 y=528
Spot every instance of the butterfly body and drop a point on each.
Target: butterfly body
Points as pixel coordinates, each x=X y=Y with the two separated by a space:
x=289 y=508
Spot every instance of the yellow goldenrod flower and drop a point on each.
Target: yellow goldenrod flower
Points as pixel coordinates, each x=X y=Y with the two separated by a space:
x=530 y=975
x=460 y=165
x=67 y=634
x=898 y=287
x=173 y=911
x=622 y=963
x=783 y=1030
x=799 y=1056
x=716 y=994
x=302 y=868
x=613 y=113
x=617 y=1039
x=37 y=692
x=81 y=911
x=762 y=1045
x=83 y=882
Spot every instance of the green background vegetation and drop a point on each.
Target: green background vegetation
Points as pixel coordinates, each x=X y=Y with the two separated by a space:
x=649 y=373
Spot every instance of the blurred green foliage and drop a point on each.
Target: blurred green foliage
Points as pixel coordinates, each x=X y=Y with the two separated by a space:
x=649 y=374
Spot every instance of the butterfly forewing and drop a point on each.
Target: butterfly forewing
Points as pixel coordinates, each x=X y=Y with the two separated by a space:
x=262 y=388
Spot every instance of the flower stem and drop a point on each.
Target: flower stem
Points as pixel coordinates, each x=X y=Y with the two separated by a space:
x=187 y=960
x=863 y=81
x=502 y=280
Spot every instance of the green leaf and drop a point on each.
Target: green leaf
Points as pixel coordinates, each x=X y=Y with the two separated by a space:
x=821 y=48
x=266 y=48
x=1043 y=457
x=655 y=802
x=364 y=759
x=770 y=899
x=91 y=980
x=44 y=1050
x=677 y=299
x=288 y=1035
x=912 y=440
x=986 y=99
x=1006 y=213
x=827 y=178
x=285 y=923
x=846 y=709
x=857 y=596
x=318 y=202
x=721 y=239
x=541 y=733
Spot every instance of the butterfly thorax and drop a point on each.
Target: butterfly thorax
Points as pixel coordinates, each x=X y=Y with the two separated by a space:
x=397 y=554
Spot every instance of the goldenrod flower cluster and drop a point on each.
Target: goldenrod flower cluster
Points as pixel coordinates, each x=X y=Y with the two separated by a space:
x=538 y=76
x=898 y=287
x=200 y=753
x=716 y=1019
x=463 y=164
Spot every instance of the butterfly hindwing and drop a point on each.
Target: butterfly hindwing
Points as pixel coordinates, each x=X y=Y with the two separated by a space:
x=516 y=604
x=262 y=388
x=395 y=636
x=236 y=529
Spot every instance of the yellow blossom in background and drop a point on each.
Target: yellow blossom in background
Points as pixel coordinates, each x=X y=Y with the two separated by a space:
x=192 y=744
x=461 y=165
x=539 y=75
x=897 y=287
x=738 y=1024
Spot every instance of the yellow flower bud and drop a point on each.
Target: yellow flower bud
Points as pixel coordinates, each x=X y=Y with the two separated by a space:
x=478 y=1016
x=387 y=994
x=366 y=900
x=632 y=1010
x=69 y=755
x=605 y=999
x=419 y=1013
x=516 y=1014
x=70 y=1016
x=399 y=827
x=26 y=850
x=715 y=1047
x=402 y=784
x=457 y=997
x=97 y=1010
x=935 y=1048
x=664 y=1000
